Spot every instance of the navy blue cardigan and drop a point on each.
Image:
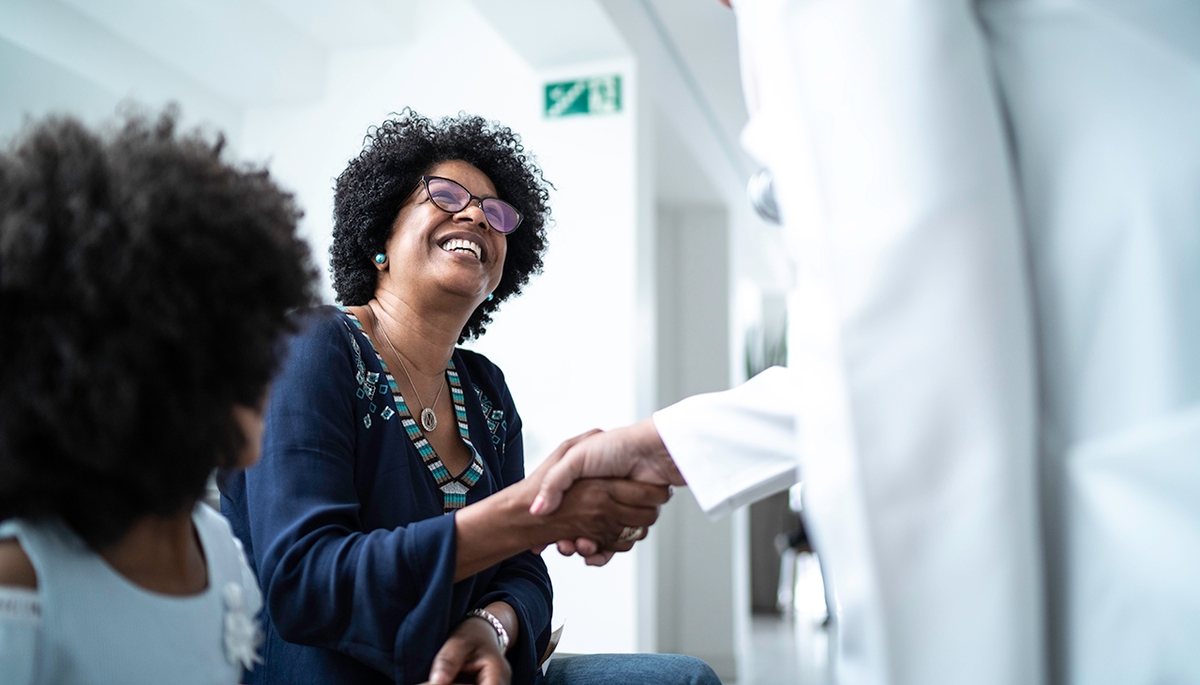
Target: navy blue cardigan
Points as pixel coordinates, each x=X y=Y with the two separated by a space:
x=343 y=523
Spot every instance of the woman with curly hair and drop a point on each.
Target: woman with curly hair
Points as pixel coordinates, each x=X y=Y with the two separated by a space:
x=388 y=520
x=145 y=286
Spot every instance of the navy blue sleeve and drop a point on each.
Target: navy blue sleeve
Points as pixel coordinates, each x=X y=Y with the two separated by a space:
x=523 y=580
x=381 y=597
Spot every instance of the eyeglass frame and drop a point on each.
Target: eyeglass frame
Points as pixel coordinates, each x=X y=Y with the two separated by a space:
x=423 y=182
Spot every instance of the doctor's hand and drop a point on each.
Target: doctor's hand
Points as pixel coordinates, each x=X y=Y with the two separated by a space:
x=634 y=452
x=608 y=513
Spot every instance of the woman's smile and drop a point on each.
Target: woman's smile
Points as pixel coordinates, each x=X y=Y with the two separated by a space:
x=461 y=243
x=457 y=250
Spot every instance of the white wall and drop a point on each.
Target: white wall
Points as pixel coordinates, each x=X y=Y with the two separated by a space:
x=696 y=602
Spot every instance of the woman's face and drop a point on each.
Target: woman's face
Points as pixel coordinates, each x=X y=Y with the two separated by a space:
x=426 y=253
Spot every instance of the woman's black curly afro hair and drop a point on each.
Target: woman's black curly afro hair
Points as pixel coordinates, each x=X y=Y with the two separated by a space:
x=145 y=286
x=394 y=157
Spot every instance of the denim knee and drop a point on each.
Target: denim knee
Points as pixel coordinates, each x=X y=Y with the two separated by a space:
x=630 y=669
x=691 y=671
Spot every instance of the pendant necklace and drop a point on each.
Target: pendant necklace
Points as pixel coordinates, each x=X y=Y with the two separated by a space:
x=428 y=418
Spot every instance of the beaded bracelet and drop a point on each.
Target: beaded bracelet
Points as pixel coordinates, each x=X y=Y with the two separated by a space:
x=488 y=616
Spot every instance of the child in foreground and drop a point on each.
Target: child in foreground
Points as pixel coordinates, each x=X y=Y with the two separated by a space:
x=144 y=290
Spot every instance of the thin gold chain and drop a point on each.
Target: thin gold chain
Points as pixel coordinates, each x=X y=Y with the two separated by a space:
x=381 y=329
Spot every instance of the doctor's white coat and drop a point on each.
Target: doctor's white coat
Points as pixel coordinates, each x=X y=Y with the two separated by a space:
x=994 y=209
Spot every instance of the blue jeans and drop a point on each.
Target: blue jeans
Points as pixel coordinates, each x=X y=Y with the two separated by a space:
x=628 y=669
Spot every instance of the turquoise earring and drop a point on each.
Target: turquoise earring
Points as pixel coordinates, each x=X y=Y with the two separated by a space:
x=380 y=258
x=490 y=297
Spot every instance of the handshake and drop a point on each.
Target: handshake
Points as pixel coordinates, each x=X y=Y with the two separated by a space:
x=637 y=473
x=595 y=495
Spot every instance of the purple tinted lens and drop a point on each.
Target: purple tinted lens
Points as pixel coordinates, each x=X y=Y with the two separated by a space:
x=501 y=216
x=447 y=195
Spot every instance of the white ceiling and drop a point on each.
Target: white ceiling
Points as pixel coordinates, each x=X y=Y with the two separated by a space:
x=704 y=33
x=263 y=52
x=250 y=52
x=349 y=23
x=687 y=52
x=274 y=51
x=553 y=33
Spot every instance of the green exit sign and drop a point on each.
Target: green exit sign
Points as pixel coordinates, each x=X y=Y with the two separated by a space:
x=595 y=95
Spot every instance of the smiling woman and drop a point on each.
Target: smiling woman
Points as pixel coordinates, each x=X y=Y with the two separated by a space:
x=388 y=521
x=398 y=153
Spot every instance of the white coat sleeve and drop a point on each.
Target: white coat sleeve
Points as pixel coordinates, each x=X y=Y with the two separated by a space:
x=916 y=393
x=738 y=446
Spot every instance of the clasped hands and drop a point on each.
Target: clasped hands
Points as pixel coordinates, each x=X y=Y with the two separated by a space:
x=633 y=453
x=590 y=490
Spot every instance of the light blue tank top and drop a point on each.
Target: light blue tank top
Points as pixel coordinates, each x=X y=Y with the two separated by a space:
x=95 y=627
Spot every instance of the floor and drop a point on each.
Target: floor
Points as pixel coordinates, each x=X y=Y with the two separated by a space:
x=794 y=650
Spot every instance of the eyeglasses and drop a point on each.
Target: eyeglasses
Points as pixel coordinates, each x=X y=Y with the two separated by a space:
x=450 y=196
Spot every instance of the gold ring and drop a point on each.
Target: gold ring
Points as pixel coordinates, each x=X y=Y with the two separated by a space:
x=632 y=534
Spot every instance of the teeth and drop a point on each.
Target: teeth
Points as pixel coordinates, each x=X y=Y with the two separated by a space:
x=461 y=245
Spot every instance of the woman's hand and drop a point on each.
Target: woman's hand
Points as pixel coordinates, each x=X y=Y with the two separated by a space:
x=593 y=552
x=596 y=509
x=472 y=650
x=589 y=550
x=600 y=509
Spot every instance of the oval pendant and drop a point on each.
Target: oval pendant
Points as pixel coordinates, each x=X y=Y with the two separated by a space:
x=428 y=419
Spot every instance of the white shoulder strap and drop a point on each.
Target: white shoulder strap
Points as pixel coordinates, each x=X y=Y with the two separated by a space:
x=32 y=542
x=9 y=529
